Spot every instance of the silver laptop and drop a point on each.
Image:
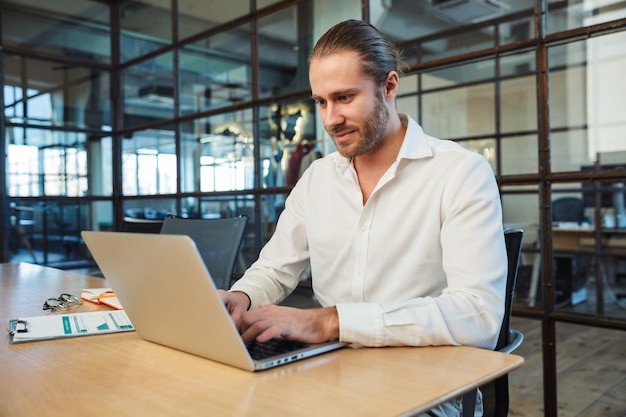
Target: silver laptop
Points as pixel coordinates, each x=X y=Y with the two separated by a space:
x=169 y=296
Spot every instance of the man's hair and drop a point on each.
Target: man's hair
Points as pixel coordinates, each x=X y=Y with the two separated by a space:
x=378 y=55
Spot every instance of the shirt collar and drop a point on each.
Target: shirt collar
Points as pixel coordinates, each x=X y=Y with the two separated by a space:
x=414 y=145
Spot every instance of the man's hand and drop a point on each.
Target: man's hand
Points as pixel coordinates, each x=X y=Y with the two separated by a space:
x=236 y=303
x=304 y=325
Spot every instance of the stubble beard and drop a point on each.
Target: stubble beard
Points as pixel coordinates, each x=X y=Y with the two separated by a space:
x=373 y=132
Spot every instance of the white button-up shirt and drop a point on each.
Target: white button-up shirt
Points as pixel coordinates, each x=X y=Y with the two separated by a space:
x=423 y=262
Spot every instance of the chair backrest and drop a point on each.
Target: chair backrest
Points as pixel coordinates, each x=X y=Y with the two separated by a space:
x=217 y=240
x=513 y=241
x=568 y=209
x=134 y=225
x=496 y=393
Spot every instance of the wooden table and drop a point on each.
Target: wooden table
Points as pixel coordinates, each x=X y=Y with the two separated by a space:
x=123 y=375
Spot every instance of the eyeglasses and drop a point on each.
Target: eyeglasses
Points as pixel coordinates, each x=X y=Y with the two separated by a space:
x=62 y=302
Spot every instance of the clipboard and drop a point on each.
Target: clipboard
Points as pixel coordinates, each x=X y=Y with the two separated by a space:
x=60 y=326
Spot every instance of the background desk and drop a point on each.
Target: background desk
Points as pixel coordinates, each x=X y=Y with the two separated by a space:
x=122 y=375
x=576 y=242
x=573 y=245
x=613 y=241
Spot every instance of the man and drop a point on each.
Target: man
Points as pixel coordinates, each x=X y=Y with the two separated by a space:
x=403 y=231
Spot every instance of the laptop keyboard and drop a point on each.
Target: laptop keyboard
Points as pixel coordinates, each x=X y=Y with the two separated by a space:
x=273 y=347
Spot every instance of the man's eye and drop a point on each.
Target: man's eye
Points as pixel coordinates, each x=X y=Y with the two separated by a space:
x=319 y=102
x=343 y=98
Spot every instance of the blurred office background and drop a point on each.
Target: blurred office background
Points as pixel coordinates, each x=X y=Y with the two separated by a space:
x=138 y=109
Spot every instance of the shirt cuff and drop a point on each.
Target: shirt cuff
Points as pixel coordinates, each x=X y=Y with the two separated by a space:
x=257 y=296
x=361 y=323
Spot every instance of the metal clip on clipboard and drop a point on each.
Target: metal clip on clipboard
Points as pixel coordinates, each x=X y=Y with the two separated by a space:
x=18 y=326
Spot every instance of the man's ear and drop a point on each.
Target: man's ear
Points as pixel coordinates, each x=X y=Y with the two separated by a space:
x=392 y=85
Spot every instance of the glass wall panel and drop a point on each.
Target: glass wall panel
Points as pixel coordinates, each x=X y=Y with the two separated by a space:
x=59 y=163
x=459 y=74
x=47 y=162
x=265 y=3
x=586 y=92
x=46 y=93
x=273 y=161
x=190 y=152
x=284 y=44
x=568 y=85
x=149 y=162
x=207 y=207
x=518 y=105
x=410 y=105
x=403 y=20
x=408 y=99
x=149 y=208
x=569 y=150
x=573 y=14
x=213 y=207
x=452 y=112
x=517 y=30
x=100 y=167
x=606 y=94
x=517 y=64
x=468 y=41
x=69 y=28
x=217 y=153
x=484 y=147
x=61 y=226
x=146 y=25
x=245 y=205
x=272 y=205
x=288 y=142
x=22 y=163
x=65 y=170
x=460 y=112
x=102 y=215
x=519 y=155
x=48 y=231
x=216 y=71
x=409 y=83
x=148 y=91
x=589 y=260
x=195 y=17
x=520 y=205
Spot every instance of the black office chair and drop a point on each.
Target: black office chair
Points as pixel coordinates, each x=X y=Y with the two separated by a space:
x=496 y=393
x=568 y=209
x=217 y=240
x=135 y=225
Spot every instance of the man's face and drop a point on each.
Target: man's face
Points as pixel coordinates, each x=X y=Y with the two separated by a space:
x=351 y=105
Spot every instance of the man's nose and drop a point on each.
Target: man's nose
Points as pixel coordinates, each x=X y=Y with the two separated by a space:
x=333 y=116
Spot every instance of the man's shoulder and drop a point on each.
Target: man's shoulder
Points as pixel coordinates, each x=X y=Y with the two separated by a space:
x=325 y=169
x=333 y=159
x=449 y=150
x=422 y=144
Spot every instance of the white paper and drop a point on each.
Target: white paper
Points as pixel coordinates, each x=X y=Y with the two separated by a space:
x=57 y=326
